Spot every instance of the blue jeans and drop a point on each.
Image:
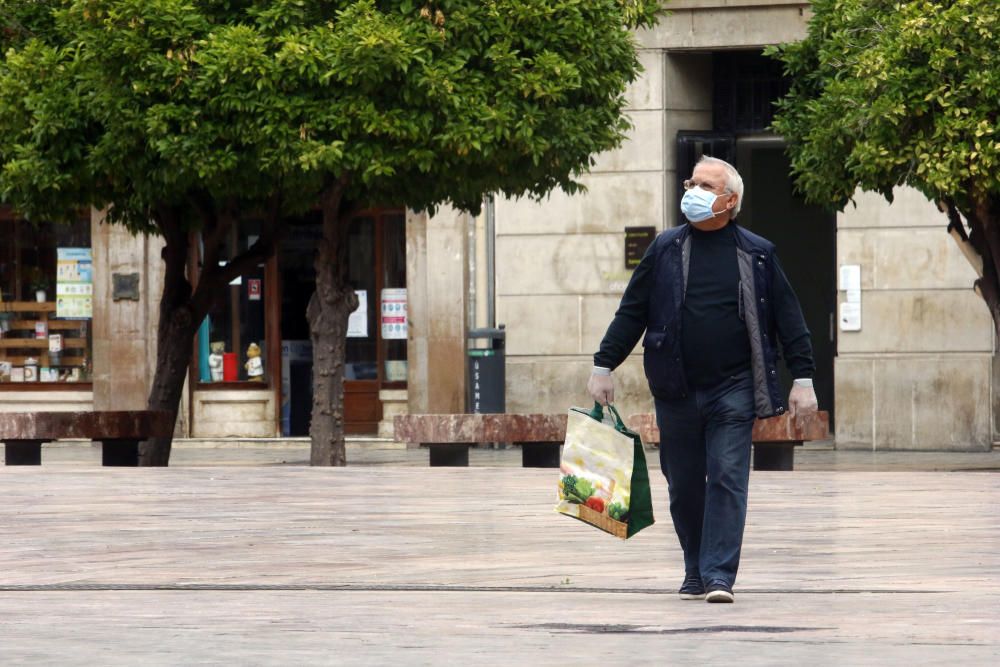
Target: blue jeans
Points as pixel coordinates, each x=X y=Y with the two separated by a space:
x=705 y=455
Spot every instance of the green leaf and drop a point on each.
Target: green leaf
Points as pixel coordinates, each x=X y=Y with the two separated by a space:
x=885 y=94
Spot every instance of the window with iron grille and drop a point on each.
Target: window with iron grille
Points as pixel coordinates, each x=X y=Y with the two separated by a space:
x=746 y=85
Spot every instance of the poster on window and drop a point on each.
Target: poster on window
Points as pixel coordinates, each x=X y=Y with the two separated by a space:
x=394 y=313
x=74 y=283
x=357 y=323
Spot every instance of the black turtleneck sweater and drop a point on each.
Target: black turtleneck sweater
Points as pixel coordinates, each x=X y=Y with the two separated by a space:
x=714 y=336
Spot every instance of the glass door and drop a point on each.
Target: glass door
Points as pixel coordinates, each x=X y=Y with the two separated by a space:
x=375 y=356
x=393 y=308
x=377 y=337
x=362 y=408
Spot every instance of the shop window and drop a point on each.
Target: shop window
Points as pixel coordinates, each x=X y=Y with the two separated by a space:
x=394 y=303
x=361 y=354
x=375 y=355
x=377 y=330
x=46 y=302
x=231 y=341
x=746 y=85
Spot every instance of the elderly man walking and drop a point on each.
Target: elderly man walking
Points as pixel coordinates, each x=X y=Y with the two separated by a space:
x=713 y=302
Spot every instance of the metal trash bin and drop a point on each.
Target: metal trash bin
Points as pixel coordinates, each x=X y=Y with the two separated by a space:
x=486 y=390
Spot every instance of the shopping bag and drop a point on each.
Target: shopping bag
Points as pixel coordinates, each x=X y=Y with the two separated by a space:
x=603 y=476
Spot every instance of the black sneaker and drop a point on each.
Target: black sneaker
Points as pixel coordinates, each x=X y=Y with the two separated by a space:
x=692 y=588
x=719 y=591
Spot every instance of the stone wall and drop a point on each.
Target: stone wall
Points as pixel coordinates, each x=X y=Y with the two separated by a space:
x=234 y=413
x=918 y=374
x=727 y=24
x=560 y=267
x=46 y=401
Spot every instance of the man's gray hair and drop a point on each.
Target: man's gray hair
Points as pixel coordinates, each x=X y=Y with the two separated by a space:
x=734 y=182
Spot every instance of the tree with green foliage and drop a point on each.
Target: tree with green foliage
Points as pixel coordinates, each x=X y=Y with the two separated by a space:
x=177 y=116
x=902 y=92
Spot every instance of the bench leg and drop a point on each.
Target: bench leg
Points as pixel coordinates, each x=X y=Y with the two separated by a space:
x=23 y=452
x=450 y=455
x=540 y=454
x=774 y=455
x=120 y=452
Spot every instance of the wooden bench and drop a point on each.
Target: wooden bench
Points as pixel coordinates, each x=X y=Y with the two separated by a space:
x=774 y=439
x=449 y=437
x=119 y=432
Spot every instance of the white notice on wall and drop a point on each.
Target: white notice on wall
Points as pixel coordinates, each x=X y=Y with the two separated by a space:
x=850 y=276
x=394 y=313
x=850 y=317
x=357 y=323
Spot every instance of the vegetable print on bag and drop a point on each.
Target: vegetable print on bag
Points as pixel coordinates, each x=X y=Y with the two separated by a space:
x=603 y=476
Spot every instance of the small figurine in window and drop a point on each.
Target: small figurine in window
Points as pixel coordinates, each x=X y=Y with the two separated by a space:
x=215 y=360
x=31 y=370
x=254 y=365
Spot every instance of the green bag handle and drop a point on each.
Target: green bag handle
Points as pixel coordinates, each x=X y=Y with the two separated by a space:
x=598 y=414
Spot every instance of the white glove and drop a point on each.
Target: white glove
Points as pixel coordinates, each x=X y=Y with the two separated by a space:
x=801 y=401
x=601 y=388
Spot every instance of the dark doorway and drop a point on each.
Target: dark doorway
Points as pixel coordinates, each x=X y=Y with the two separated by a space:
x=690 y=147
x=298 y=282
x=744 y=86
x=806 y=237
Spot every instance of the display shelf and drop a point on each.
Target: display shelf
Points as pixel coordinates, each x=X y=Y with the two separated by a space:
x=18 y=342
x=27 y=306
x=41 y=343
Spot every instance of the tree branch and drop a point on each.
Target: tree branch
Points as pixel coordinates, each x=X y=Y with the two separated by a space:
x=215 y=278
x=215 y=230
x=985 y=237
x=174 y=251
x=985 y=234
x=333 y=255
x=956 y=229
x=260 y=251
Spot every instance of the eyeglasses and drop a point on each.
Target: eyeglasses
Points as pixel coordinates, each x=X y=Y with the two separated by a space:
x=690 y=184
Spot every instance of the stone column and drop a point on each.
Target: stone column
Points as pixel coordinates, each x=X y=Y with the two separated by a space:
x=436 y=251
x=125 y=320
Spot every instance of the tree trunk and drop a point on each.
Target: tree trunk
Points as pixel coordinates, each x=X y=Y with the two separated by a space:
x=329 y=309
x=175 y=335
x=983 y=217
x=182 y=309
x=174 y=345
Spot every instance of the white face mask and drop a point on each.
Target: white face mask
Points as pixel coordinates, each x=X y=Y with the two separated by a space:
x=696 y=204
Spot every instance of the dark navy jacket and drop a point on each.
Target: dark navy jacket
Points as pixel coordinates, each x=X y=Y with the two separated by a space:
x=768 y=306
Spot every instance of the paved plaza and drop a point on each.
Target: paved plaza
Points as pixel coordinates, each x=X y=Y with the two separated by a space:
x=248 y=561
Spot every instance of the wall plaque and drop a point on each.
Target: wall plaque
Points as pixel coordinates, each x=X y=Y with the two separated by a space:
x=125 y=286
x=637 y=240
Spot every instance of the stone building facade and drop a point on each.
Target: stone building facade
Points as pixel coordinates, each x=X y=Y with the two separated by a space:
x=918 y=373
